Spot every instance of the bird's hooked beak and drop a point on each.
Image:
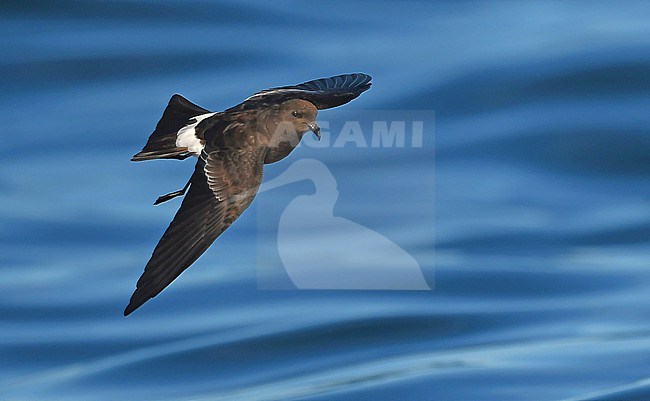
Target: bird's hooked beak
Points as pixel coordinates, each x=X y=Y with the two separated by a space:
x=315 y=129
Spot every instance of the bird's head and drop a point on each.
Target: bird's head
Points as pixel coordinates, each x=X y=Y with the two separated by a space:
x=300 y=114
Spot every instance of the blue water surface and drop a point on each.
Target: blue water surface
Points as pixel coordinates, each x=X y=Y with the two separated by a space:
x=538 y=172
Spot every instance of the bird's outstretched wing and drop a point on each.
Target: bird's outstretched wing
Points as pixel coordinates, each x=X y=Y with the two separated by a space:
x=324 y=93
x=223 y=185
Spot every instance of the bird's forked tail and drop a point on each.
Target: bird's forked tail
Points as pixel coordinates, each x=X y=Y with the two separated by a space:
x=163 y=142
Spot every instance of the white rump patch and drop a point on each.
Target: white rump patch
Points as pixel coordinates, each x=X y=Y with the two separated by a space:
x=186 y=136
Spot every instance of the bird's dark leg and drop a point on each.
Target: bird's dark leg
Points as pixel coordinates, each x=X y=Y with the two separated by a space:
x=172 y=195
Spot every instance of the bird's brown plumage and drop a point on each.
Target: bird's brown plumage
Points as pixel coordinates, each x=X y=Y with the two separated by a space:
x=265 y=128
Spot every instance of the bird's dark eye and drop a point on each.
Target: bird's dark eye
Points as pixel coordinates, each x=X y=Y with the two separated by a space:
x=295 y=114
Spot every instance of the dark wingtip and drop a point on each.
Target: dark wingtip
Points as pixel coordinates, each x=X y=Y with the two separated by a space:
x=128 y=310
x=136 y=301
x=366 y=84
x=366 y=77
x=133 y=305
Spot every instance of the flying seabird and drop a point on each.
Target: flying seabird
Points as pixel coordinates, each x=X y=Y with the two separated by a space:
x=231 y=146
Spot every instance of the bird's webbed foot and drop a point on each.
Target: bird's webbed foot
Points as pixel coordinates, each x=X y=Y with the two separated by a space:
x=172 y=195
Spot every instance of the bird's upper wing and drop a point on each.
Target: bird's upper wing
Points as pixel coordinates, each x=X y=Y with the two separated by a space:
x=223 y=185
x=324 y=93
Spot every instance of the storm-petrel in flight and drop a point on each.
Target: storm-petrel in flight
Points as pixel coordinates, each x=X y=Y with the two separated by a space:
x=231 y=146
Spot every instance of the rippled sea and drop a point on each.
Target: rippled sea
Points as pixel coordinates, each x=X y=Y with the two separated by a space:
x=538 y=250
